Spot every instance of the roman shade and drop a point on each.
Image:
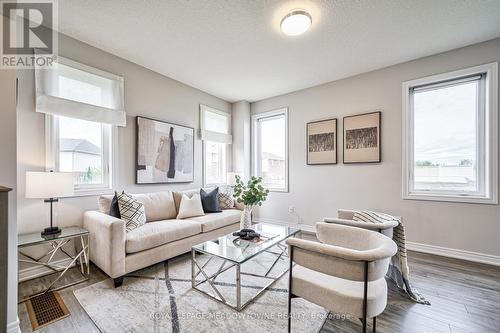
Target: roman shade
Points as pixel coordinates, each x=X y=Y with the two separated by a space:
x=75 y=90
x=215 y=125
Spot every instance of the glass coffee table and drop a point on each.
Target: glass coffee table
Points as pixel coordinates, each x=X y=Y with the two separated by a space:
x=234 y=252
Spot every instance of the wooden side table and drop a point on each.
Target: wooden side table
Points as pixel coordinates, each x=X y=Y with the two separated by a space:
x=57 y=242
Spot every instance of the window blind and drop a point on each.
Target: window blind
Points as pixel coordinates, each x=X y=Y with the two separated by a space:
x=214 y=125
x=75 y=90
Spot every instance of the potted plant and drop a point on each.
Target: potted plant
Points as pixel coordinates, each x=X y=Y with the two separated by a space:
x=252 y=194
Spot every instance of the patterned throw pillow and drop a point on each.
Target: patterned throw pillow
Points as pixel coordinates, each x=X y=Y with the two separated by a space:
x=131 y=211
x=226 y=201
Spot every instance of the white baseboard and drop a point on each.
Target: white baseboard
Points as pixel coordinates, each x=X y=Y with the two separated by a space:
x=412 y=246
x=454 y=253
x=13 y=327
x=37 y=270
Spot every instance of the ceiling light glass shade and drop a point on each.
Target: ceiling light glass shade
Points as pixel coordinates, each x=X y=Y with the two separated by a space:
x=296 y=23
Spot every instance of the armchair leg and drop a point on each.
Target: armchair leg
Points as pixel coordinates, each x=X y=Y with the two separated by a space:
x=374 y=324
x=118 y=281
x=290 y=295
x=365 y=296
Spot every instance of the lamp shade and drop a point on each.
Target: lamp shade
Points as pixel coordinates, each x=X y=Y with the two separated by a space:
x=44 y=185
x=231 y=178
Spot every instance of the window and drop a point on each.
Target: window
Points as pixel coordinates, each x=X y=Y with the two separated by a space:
x=270 y=149
x=215 y=128
x=83 y=106
x=450 y=136
x=83 y=148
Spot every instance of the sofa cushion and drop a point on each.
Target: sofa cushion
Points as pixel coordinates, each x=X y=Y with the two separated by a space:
x=131 y=211
x=210 y=200
x=158 y=205
x=178 y=197
x=226 y=201
x=157 y=233
x=212 y=221
x=104 y=202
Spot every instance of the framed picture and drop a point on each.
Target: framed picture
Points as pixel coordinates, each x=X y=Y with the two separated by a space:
x=165 y=152
x=322 y=142
x=362 y=138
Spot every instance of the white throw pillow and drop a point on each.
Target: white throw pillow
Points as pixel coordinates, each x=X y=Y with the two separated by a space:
x=190 y=207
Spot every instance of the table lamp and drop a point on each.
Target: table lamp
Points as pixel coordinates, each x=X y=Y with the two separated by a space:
x=49 y=186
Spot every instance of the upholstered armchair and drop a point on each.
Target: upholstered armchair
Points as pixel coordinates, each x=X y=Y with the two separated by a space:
x=344 y=217
x=344 y=272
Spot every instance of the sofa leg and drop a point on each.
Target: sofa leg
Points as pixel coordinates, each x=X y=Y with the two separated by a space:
x=118 y=281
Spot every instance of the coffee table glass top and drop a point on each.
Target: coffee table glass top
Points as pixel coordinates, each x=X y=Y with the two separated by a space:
x=234 y=249
x=37 y=238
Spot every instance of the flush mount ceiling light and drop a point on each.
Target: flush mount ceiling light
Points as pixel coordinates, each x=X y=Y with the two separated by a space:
x=296 y=22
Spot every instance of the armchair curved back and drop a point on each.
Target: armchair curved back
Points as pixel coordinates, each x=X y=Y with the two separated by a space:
x=344 y=252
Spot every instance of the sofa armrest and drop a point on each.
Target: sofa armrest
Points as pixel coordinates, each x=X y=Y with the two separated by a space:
x=107 y=242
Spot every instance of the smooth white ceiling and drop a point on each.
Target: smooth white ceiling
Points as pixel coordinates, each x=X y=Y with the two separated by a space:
x=234 y=49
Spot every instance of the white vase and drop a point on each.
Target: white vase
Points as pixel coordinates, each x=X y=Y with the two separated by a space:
x=246 y=218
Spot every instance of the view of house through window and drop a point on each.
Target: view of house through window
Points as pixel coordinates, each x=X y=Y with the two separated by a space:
x=271 y=150
x=81 y=150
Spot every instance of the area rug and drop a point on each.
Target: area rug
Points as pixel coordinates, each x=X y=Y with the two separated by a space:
x=160 y=299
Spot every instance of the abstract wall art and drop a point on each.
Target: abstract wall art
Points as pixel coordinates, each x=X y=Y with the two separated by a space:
x=322 y=142
x=362 y=138
x=165 y=152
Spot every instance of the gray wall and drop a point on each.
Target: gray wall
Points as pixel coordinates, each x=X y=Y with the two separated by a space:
x=146 y=94
x=318 y=191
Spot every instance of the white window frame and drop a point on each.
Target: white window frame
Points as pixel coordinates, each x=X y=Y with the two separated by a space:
x=488 y=147
x=255 y=145
x=109 y=155
x=227 y=115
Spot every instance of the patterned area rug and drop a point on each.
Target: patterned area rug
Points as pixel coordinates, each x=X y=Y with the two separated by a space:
x=160 y=299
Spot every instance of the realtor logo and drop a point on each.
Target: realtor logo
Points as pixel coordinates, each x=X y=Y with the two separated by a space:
x=29 y=33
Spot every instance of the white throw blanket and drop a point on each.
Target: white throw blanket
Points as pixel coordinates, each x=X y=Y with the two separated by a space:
x=398 y=269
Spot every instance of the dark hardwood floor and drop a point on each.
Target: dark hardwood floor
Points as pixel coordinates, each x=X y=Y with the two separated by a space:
x=465 y=298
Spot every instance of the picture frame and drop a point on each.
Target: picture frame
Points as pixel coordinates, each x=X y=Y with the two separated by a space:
x=321 y=142
x=362 y=138
x=155 y=161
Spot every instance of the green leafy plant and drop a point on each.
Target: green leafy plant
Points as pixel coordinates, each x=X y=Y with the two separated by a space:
x=251 y=194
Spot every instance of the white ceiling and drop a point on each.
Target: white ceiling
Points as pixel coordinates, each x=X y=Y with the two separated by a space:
x=234 y=49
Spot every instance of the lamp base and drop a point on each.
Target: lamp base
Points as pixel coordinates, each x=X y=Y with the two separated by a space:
x=51 y=231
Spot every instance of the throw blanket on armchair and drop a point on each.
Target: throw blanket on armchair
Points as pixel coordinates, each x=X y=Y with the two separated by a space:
x=398 y=269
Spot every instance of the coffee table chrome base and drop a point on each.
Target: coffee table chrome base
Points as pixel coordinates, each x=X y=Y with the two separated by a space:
x=197 y=268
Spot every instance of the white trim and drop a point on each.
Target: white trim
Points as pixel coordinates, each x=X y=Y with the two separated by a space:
x=490 y=146
x=254 y=144
x=454 y=253
x=412 y=246
x=13 y=327
x=36 y=270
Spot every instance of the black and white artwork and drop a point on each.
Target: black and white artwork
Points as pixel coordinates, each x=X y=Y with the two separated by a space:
x=362 y=138
x=322 y=142
x=165 y=152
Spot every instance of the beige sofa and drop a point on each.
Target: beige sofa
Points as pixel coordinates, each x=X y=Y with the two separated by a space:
x=118 y=252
